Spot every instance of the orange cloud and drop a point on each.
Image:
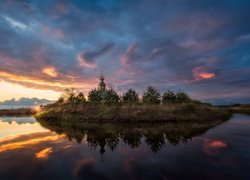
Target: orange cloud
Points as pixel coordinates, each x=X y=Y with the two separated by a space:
x=213 y=147
x=205 y=75
x=216 y=144
x=43 y=83
x=200 y=73
x=44 y=154
x=51 y=71
x=27 y=142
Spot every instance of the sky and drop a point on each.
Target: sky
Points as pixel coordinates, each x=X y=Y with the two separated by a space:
x=200 y=47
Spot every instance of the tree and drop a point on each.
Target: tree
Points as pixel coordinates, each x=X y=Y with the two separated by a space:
x=151 y=96
x=110 y=96
x=69 y=95
x=182 y=97
x=80 y=98
x=131 y=96
x=95 y=95
x=168 y=97
x=60 y=100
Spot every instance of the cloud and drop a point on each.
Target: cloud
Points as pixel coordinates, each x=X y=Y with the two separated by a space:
x=200 y=72
x=164 y=52
x=87 y=59
x=129 y=56
x=213 y=147
x=44 y=154
x=15 y=143
x=15 y=24
x=86 y=169
x=51 y=71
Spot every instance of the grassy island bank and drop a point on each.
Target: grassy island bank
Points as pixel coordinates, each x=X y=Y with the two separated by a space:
x=133 y=113
x=107 y=106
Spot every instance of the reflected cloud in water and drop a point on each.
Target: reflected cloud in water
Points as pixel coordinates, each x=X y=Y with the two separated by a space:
x=18 y=120
x=125 y=151
x=214 y=147
x=11 y=126
x=44 y=154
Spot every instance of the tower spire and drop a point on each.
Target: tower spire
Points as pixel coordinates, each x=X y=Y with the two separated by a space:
x=102 y=85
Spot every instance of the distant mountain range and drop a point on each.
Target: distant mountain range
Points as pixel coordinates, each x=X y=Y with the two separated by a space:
x=25 y=102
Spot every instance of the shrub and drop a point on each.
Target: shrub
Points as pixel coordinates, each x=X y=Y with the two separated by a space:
x=168 y=97
x=151 y=96
x=131 y=96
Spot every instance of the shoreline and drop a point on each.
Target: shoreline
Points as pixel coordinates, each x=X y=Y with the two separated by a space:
x=185 y=112
x=69 y=112
x=17 y=112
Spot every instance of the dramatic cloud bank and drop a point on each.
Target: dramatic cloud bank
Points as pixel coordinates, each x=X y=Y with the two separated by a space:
x=201 y=47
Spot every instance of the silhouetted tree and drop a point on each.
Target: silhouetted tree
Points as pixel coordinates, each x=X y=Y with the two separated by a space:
x=110 y=96
x=151 y=96
x=60 y=100
x=131 y=96
x=69 y=95
x=80 y=98
x=168 y=97
x=182 y=97
x=95 y=95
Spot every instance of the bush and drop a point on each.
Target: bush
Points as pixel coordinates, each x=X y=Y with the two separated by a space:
x=168 y=97
x=131 y=96
x=151 y=96
x=182 y=97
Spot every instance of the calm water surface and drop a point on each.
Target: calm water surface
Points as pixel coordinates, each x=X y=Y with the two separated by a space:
x=42 y=150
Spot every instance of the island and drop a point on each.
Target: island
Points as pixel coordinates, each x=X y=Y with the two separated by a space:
x=105 y=105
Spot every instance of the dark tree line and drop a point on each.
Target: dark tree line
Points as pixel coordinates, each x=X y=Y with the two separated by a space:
x=150 y=96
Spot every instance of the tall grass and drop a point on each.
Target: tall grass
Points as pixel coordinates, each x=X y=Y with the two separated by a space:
x=133 y=112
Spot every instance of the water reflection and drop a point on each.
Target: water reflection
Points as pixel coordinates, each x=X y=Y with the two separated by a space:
x=155 y=136
x=18 y=120
x=63 y=150
x=11 y=126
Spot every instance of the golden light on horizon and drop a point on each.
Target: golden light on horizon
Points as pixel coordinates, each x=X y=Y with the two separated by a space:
x=37 y=109
x=51 y=71
x=17 y=86
x=12 y=90
x=36 y=81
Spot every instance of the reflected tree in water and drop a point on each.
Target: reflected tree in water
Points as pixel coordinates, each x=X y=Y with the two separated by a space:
x=107 y=135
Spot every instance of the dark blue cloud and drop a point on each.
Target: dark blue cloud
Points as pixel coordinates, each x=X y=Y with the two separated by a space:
x=196 y=46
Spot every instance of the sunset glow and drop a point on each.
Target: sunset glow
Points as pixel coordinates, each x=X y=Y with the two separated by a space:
x=200 y=73
x=44 y=154
x=10 y=89
x=51 y=71
x=56 y=45
x=205 y=75
x=27 y=143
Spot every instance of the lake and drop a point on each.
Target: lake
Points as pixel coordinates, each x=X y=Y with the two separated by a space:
x=53 y=150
